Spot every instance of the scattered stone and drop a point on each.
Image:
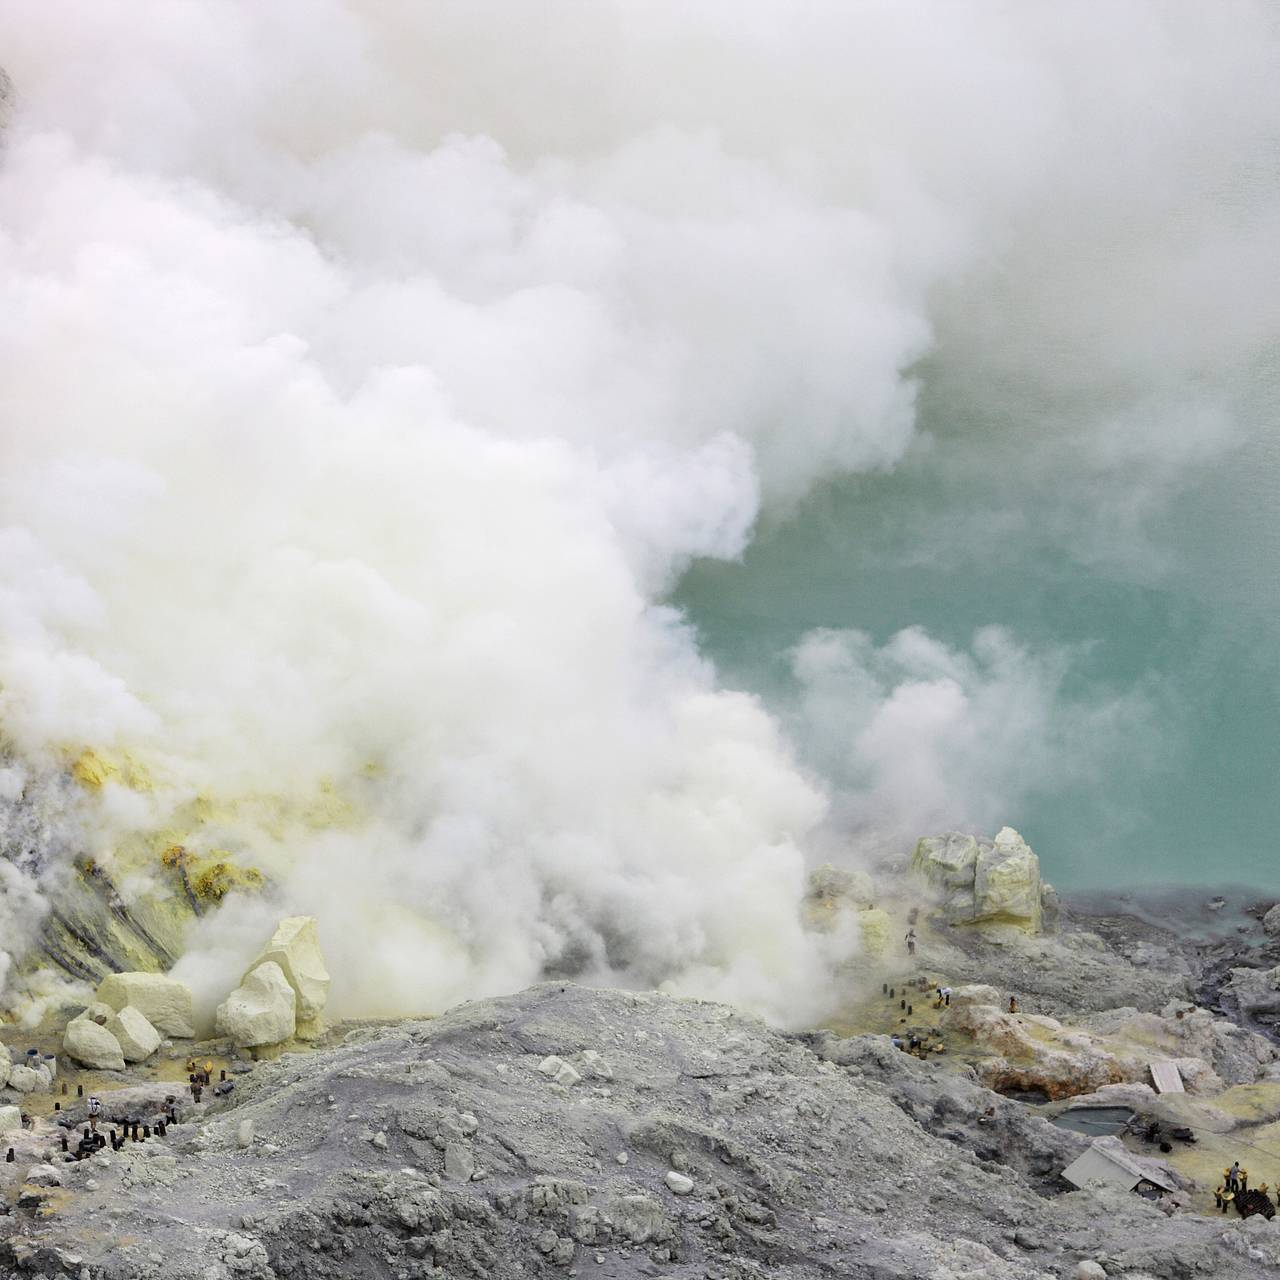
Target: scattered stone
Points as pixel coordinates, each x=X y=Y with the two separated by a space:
x=594 y=1065
x=244 y=1134
x=1088 y=1270
x=165 y=1002
x=679 y=1183
x=559 y=1070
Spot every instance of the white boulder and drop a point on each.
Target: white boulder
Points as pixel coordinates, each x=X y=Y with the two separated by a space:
x=43 y=1175
x=982 y=882
x=295 y=947
x=1271 y=922
x=262 y=1010
x=137 y=1037
x=163 y=1001
x=10 y=1119
x=25 y=1079
x=680 y=1184
x=92 y=1045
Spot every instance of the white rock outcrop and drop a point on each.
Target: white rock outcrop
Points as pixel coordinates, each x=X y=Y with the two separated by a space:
x=1271 y=922
x=163 y=1001
x=261 y=1011
x=982 y=882
x=138 y=1039
x=295 y=948
x=92 y=1045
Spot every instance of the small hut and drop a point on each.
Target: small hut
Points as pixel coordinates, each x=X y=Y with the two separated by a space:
x=1107 y=1163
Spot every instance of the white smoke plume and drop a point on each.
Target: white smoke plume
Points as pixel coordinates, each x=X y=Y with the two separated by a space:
x=371 y=369
x=917 y=736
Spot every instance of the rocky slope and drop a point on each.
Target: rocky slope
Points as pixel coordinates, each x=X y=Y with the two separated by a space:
x=568 y=1131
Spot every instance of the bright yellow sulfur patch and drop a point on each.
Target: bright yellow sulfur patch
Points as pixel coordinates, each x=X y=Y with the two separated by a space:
x=94 y=769
x=214 y=881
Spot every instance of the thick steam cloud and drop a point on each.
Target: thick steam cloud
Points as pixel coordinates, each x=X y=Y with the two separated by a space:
x=371 y=370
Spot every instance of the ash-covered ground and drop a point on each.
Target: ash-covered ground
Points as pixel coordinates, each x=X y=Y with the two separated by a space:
x=566 y=1131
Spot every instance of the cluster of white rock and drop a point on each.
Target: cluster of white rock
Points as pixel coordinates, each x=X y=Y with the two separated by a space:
x=128 y=1019
x=283 y=992
x=986 y=882
x=281 y=997
x=25 y=1077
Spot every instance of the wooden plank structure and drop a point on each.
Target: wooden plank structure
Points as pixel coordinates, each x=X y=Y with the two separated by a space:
x=1166 y=1077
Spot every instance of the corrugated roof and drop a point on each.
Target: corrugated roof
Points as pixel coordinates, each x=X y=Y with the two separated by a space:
x=1115 y=1166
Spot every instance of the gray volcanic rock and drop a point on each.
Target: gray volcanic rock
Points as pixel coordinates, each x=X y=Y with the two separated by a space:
x=438 y=1148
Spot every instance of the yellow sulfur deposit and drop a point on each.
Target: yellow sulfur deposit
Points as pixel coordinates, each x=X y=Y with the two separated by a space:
x=215 y=880
x=94 y=769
